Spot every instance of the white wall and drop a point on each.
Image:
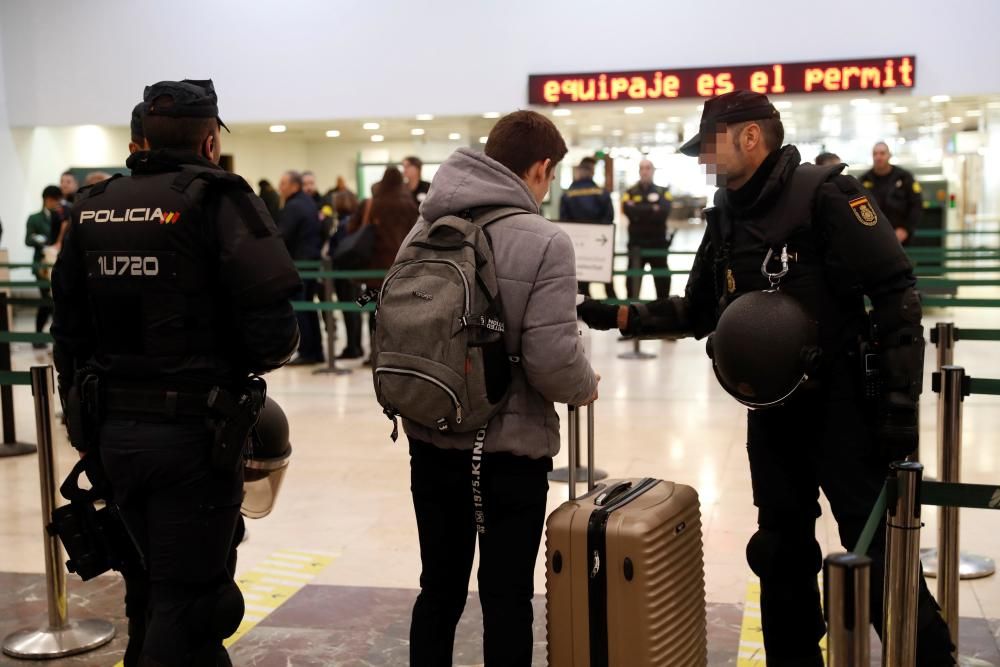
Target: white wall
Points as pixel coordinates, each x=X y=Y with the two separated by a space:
x=324 y=59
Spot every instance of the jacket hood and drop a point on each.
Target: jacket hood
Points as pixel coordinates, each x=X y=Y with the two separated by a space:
x=469 y=179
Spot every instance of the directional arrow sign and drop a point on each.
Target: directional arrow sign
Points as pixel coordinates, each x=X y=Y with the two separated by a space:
x=595 y=249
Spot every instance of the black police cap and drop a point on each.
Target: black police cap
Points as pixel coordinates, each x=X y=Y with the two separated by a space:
x=735 y=107
x=191 y=98
x=136 y=125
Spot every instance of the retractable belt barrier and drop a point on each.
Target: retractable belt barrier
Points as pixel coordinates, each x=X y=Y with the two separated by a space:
x=9 y=379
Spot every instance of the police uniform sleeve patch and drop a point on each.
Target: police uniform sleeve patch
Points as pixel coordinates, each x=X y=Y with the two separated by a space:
x=916 y=187
x=863 y=211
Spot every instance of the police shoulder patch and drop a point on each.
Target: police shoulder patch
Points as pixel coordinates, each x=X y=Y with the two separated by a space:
x=863 y=211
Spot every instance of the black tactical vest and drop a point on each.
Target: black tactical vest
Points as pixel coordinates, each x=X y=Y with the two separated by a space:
x=151 y=253
x=742 y=245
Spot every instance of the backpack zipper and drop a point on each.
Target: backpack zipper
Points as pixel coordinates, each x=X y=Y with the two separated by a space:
x=423 y=376
x=454 y=265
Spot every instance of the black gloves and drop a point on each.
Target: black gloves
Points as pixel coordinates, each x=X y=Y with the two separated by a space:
x=898 y=426
x=597 y=315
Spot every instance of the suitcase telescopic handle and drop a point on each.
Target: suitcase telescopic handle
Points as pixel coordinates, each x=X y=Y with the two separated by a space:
x=574 y=448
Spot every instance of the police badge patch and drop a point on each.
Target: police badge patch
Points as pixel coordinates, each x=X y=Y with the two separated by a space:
x=863 y=211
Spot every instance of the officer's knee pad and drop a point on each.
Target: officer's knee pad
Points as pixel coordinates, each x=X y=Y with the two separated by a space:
x=219 y=613
x=777 y=553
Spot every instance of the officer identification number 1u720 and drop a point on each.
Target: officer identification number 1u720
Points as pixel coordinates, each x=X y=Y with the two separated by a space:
x=123 y=265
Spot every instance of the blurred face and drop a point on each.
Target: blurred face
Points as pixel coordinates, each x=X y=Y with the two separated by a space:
x=721 y=157
x=309 y=184
x=880 y=157
x=50 y=204
x=411 y=173
x=287 y=187
x=646 y=170
x=68 y=185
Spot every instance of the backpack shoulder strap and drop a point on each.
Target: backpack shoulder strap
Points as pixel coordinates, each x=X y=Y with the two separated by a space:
x=232 y=185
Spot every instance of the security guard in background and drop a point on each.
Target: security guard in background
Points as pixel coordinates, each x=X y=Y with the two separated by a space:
x=896 y=192
x=647 y=207
x=816 y=236
x=585 y=201
x=171 y=293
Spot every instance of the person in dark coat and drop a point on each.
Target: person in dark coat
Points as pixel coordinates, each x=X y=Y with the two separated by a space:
x=271 y=198
x=345 y=205
x=299 y=227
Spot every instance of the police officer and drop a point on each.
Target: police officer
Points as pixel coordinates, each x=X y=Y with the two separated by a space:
x=647 y=207
x=896 y=192
x=585 y=201
x=171 y=291
x=816 y=235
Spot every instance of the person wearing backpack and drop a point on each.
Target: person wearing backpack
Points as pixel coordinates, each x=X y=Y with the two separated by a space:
x=482 y=436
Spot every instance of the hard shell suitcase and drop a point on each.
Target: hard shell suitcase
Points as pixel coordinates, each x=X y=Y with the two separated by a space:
x=625 y=583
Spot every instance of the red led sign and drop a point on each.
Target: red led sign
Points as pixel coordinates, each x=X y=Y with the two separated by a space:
x=773 y=79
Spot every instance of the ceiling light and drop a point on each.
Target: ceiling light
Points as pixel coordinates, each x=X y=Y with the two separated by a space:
x=993 y=105
x=333 y=134
x=974 y=113
x=277 y=129
x=783 y=104
x=482 y=140
x=417 y=131
x=454 y=136
x=617 y=133
x=596 y=128
x=633 y=111
x=377 y=138
x=956 y=119
x=674 y=119
x=425 y=116
x=561 y=112
x=899 y=110
x=491 y=114
x=371 y=126
x=940 y=99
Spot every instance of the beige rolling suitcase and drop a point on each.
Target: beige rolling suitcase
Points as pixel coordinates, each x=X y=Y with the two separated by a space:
x=625 y=583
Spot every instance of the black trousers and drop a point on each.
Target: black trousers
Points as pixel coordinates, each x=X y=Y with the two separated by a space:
x=634 y=283
x=347 y=292
x=310 y=338
x=44 y=312
x=514 y=492
x=186 y=519
x=820 y=439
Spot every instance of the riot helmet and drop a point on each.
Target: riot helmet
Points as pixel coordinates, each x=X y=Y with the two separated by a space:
x=764 y=347
x=264 y=471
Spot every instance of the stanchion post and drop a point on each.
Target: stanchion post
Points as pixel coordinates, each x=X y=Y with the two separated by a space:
x=846 y=586
x=951 y=381
x=62 y=637
x=10 y=446
x=330 y=322
x=944 y=339
x=902 y=565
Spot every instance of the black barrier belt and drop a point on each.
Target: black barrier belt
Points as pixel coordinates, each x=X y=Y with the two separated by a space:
x=15 y=378
x=25 y=337
x=984 y=386
x=971 y=496
x=320 y=306
x=875 y=519
x=941 y=302
x=977 y=334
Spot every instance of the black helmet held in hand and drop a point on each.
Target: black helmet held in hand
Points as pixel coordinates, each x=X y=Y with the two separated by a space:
x=265 y=469
x=764 y=347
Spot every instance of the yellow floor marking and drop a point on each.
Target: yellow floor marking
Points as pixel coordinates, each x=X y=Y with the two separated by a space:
x=751 y=651
x=267 y=588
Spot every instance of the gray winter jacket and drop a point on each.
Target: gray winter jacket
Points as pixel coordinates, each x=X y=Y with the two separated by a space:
x=536 y=269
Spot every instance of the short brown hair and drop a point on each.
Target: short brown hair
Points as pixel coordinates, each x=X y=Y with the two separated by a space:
x=771 y=129
x=415 y=161
x=177 y=133
x=522 y=138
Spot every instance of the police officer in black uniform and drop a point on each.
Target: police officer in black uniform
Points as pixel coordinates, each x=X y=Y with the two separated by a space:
x=647 y=207
x=171 y=292
x=585 y=201
x=837 y=248
x=896 y=192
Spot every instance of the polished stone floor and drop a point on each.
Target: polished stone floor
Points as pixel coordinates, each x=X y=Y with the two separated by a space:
x=347 y=494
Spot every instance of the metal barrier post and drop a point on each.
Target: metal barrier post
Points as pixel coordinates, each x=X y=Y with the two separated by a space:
x=902 y=565
x=943 y=337
x=330 y=322
x=946 y=562
x=846 y=592
x=10 y=446
x=62 y=637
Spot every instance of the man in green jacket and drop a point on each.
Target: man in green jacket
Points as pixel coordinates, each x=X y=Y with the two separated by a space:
x=38 y=234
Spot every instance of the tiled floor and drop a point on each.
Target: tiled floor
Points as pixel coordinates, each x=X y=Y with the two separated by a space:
x=347 y=492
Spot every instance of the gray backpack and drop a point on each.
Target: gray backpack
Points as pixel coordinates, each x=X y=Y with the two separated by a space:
x=438 y=353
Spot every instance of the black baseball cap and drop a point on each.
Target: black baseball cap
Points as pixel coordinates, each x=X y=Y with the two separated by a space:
x=136 y=125
x=192 y=98
x=735 y=107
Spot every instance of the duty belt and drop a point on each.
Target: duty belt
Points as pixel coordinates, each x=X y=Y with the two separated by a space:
x=158 y=403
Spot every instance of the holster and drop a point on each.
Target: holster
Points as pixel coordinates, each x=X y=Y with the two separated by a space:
x=236 y=416
x=84 y=410
x=96 y=540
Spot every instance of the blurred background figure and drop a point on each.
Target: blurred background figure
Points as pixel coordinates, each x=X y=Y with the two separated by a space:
x=647 y=207
x=896 y=192
x=299 y=227
x=585 y=201
x=345 y=205
x=39 y=234
x=824 y=159
x=412 y=166
x=68 y=186
x=96 y=177
x=271 y=198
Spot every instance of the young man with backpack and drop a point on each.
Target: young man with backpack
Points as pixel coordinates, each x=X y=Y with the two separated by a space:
x=477 y=337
